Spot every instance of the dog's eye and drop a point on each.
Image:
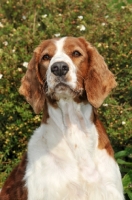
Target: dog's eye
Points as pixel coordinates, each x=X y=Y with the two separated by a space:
x=76 y=53
x=46 y=57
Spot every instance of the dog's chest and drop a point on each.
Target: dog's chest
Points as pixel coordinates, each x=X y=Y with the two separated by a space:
x=62 y=170
x=62 y=156
x=64 y=162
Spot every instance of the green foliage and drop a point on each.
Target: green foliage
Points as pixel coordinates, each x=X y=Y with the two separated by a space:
x=124 y=160
x=107 y=25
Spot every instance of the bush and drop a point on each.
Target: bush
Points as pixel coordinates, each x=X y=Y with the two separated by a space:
x=23 y=24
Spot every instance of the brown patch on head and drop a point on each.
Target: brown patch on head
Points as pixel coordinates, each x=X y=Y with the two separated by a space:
x=92 y=73
x=80 y=61
x=33 y=83
x=47 y=52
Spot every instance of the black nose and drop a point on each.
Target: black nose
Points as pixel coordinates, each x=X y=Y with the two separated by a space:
x=59 y=68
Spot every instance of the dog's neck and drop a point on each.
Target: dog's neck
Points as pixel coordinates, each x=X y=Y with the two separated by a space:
x=69 y=113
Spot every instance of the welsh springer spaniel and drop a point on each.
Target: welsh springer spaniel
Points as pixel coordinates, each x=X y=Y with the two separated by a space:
x=69 y=156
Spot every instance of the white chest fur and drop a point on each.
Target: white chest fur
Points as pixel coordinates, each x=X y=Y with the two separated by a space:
x=64 y=162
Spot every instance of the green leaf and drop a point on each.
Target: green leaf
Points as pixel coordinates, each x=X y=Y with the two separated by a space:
x=127 y=180
x=122 y=162
x=130 y=194
x=124 y=153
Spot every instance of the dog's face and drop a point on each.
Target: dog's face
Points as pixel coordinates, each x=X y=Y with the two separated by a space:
x=65 y=62
x=66 y=68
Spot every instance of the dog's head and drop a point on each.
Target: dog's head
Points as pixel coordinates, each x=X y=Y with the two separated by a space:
x=64 y=68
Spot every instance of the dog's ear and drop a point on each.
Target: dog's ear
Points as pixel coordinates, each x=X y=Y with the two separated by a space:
x=99 y=80
x=32 y=85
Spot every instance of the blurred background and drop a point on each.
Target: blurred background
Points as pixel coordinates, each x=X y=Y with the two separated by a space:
x=105 y=24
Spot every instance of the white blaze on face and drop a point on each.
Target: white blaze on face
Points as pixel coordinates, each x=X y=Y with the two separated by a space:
x=70 y=78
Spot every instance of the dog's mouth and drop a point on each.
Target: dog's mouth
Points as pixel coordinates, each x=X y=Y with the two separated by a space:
x=62 y=87
x=63 y=90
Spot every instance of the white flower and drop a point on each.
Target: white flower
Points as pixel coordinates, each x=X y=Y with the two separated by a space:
x=80 y=17
x=1 y=76
x=1 y=25
x=44 y=16
x=105 y=104
x=81 y=27
x=5 y=43
x=122 y=7
x=25 y=64
x=24 y=17
x=39 y=24
x=59 y=14
x=13 y=50
x=103 y=24
x=19 y=69
x=107 y=16
x=123 y=123
x=99 y=45
x=57 y=35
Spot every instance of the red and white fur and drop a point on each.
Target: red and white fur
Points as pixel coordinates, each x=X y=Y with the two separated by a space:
x=69 y=156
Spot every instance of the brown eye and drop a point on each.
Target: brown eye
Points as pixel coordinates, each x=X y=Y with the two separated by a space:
x=76 y=54
x=46 y=57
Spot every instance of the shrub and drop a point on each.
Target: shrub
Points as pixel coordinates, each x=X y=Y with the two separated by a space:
x=23 y=24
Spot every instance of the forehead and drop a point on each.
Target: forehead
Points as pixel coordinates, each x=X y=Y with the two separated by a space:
x=64 y=44
x=69 y=43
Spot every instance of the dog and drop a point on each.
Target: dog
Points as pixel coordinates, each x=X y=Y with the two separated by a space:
x=69 y=156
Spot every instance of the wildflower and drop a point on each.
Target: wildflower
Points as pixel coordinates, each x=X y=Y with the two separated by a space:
x=123 y=123
x=1 y=75
x=5 y=43
x=99 y=45
x=57 y=34
x=123 y=7
x=80 y=17
x=13 y=50
x=107 y=16
x=1 y=25
x=25 y=64
x=44 y=16
x=24 y=17
x=81 y=27
x=19 y=69
x=103 y=24
x=59 y=14
x=105 y=104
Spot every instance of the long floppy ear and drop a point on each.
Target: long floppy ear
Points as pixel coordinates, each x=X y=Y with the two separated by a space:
x=32 y=85
x=99 y=81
